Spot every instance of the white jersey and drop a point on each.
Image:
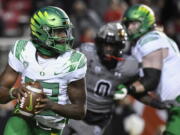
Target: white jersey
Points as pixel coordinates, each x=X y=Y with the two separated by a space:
x=169 y=86
x=54 y=74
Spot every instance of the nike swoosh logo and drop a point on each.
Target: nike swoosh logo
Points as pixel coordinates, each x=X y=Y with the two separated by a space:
x=57 y=73
x=64 y=71
x=30 y=107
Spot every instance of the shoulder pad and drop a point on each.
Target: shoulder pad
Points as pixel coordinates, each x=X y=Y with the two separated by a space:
x=18 y=48
x=77 y=60
x=149 y=37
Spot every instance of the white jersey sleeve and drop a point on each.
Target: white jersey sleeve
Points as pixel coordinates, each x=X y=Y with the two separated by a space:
x=151 y=42
x=80 y=67
x=15 y=56
x=168 y=87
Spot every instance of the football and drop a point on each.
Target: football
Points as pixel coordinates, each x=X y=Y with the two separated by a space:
x=27 y=103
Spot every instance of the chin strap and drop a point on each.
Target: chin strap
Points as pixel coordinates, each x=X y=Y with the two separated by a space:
x=115 y=58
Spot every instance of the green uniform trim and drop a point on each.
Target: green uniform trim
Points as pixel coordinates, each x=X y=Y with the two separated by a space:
x=75 y=56
x=82 y=62
x=19 y=48
x=148 y=39
x=78 y=61
x=172 y=126
x=26 y=127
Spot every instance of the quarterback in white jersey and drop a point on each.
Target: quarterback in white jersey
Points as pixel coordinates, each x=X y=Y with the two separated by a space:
x=49 y=59
x=160 y=61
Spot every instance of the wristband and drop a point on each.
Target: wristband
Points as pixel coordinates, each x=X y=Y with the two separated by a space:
x=10 y=93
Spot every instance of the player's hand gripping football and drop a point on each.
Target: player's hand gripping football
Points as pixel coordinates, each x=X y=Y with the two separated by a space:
x=43 y=104
x=28 y=100
x=18 y=93
x=121 y=92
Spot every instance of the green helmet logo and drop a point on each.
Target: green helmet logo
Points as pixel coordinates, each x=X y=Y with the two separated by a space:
x=144 y=15
x=43 y=25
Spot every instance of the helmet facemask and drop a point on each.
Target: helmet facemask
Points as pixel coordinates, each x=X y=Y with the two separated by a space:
x=60 y=39
x=136 y=31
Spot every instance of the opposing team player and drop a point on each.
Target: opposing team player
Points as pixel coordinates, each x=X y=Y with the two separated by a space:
x=107 y=67
x=49 y=59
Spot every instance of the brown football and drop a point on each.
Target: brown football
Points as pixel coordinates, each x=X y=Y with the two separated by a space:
x=28 y=102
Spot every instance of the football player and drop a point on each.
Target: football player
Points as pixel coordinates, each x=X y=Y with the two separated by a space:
x=48 y=58
x=160 y=58
x=107 y=67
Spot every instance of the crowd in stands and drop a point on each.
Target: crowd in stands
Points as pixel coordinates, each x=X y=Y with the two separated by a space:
x=86 y=15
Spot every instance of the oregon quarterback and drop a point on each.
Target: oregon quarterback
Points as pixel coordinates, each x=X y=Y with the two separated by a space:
x=49 y=59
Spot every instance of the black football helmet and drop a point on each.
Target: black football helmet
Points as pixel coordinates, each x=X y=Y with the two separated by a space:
x=110 y=40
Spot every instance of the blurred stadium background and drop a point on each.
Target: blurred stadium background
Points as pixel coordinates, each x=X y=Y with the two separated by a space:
x=87 y=16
